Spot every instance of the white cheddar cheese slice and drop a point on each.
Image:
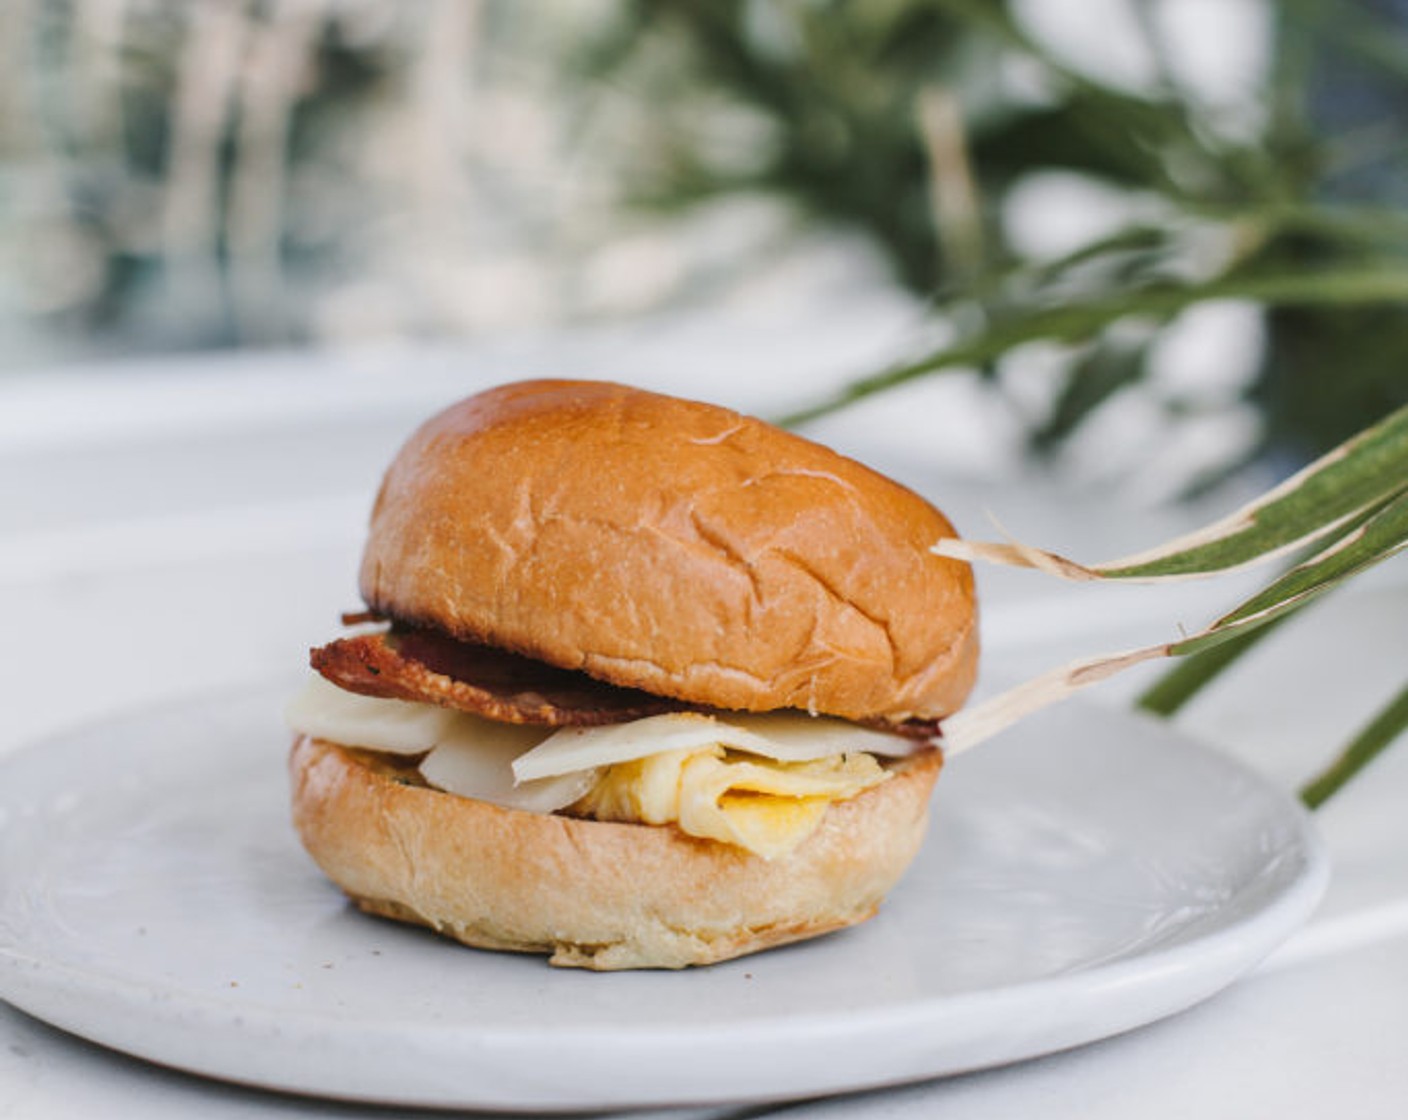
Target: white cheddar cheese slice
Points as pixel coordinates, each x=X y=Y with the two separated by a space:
x=783 y=736
x=464 y=754
x=798 y=737
x=478 y=762
x=324 y=711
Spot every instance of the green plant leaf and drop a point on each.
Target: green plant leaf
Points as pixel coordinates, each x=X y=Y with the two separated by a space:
x=1358 y=475
x=1391 y=721
x=1365 y=470
x=1080 y=321
x=1374 y=538
x=1194 y=673
x=1093 y=379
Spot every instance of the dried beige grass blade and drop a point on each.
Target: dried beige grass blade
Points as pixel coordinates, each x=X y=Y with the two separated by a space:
x=974 y=725
x=1014 y=554
x=1383 y=533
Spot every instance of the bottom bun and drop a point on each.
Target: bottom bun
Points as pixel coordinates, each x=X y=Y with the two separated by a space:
x=594 y=894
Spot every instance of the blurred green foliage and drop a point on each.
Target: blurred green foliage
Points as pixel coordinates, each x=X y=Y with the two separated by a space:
x=912 y=121
x=233 y=172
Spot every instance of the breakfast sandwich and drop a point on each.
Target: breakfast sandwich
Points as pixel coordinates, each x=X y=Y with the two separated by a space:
x=639 y=682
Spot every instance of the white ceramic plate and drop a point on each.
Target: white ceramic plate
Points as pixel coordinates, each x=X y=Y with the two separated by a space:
x=1087 y=873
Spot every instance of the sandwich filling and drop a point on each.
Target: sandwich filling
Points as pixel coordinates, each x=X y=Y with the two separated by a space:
x=760 y=782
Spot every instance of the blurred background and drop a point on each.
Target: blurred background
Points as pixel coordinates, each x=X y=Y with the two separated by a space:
x=1166 y=231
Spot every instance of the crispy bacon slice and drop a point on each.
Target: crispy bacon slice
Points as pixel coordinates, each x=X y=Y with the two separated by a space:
x=922 y=730
x=431 y=668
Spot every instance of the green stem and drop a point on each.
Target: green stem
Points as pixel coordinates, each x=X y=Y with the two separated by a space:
x=1188 y=677
x=1362 y=749
x=1078 y=322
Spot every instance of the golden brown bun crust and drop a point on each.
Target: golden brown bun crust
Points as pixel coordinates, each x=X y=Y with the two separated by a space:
x=676 y=547
x=595 y=894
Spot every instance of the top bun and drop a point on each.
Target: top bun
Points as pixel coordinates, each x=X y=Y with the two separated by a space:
x=675 y=547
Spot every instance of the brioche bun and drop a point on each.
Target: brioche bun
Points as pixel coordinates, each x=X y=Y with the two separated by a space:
x=595 y=895
x=674 y=547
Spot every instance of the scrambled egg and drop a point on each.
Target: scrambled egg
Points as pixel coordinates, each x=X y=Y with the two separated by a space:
x=765 y=806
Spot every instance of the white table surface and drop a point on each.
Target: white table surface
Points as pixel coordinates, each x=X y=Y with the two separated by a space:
x=189 y=525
